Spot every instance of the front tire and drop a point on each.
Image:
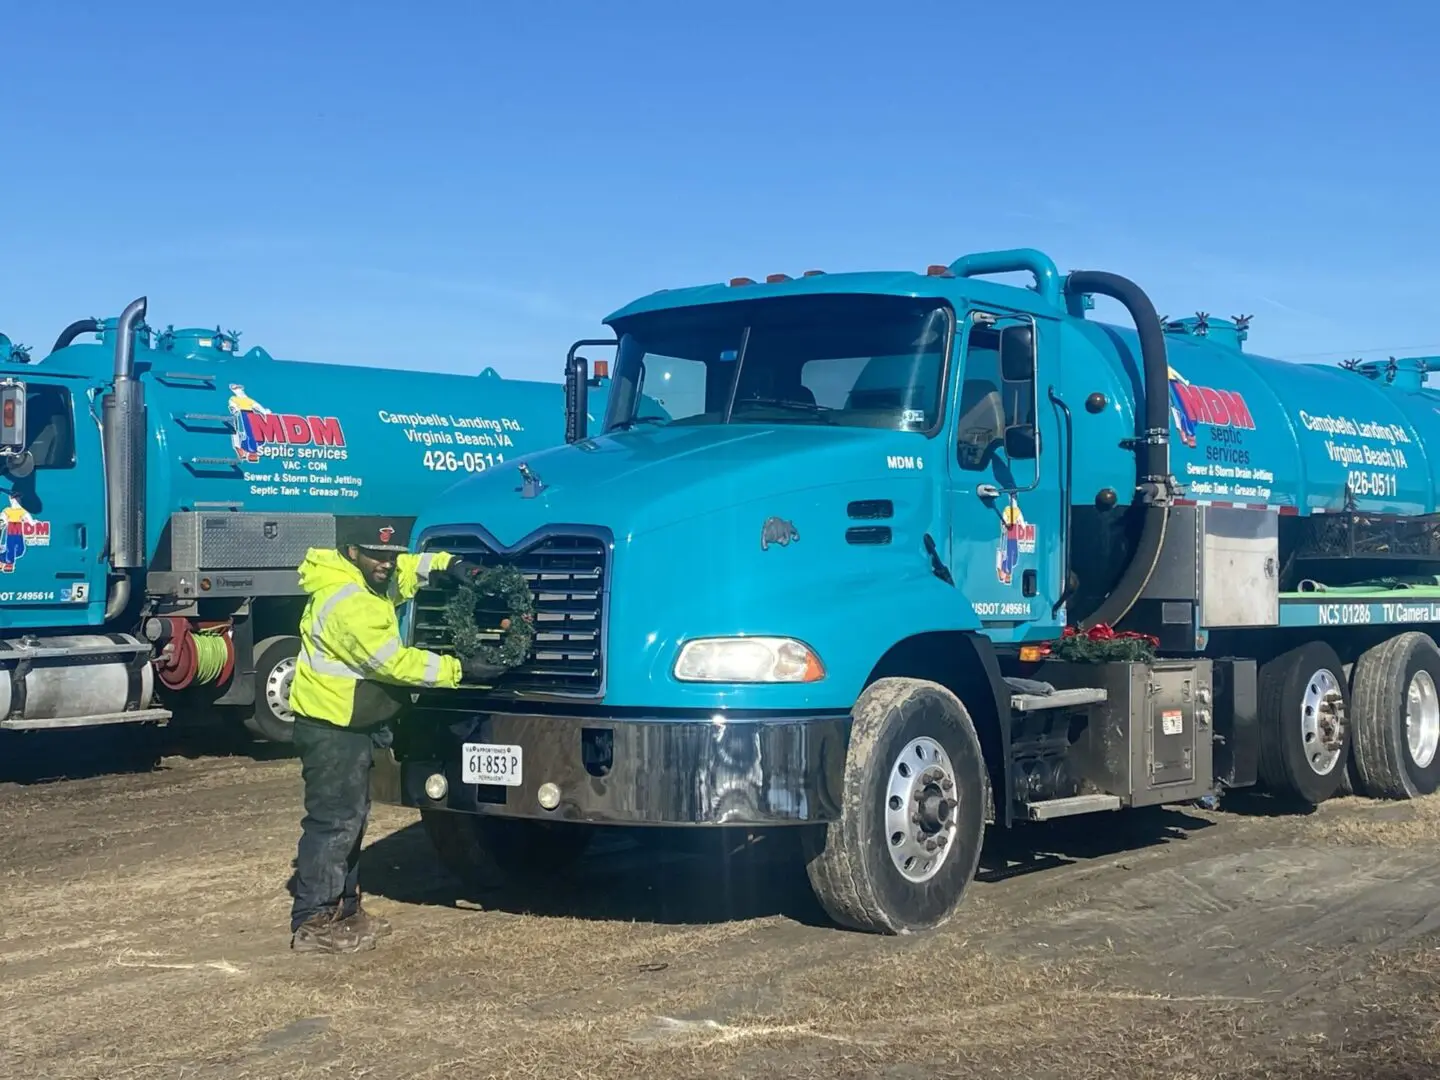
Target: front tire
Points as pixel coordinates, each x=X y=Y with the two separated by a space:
x=272 y=719
x=907 y=843
x=1397 y=718
x=488 y=851
x=1305 y=729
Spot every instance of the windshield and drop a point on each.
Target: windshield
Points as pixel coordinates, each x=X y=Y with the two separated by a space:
x=858 y=361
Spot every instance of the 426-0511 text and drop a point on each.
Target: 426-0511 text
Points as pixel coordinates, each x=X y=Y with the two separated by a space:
x=450 y=461
x=1377 y=484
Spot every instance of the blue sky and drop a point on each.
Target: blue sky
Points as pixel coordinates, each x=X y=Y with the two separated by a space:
x=479 y=183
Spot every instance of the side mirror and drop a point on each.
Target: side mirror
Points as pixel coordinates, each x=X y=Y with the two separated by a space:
x=577 y=386
x=12 y=417
x=1017 y=354
x=1020 y=442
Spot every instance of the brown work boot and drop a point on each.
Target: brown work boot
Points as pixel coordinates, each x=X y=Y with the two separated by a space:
x=326 y=933
x=376 y=926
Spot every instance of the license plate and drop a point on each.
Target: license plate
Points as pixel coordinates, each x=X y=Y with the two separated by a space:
x=489 y=763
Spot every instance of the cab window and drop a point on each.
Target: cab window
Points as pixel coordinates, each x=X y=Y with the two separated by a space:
x=997 y=396
x=50 y=426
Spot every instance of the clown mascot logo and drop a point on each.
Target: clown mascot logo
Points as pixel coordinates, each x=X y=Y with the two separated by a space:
x=1017 y=537
x=1180 y=411
x=242 y=407
x=21 y=532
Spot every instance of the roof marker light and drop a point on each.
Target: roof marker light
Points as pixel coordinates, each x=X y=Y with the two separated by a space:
x=813 y=273
x=771 y=279
x=741 y=281
x=936 y=270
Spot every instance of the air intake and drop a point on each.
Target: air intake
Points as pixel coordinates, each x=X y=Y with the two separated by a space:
x=871 y=508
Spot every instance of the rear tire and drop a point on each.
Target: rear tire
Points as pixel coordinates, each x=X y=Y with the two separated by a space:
x=487 y=851
x=1397 y=718
x=1304 y=724
x=272 y=719
x=907 y=843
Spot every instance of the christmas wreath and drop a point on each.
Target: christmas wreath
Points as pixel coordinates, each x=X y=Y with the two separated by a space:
x=517 y=626
x=1101 y=643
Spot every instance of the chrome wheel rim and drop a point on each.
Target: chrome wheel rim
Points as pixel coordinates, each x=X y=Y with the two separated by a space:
x=920 y=803
x=277 y=690
x=1322 y=722
x=1422 y=719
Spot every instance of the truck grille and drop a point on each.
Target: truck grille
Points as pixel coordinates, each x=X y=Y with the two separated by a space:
x=567 y=577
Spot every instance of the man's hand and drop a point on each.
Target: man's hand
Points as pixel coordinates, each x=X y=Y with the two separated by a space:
x=474 y=670
x=460 y=572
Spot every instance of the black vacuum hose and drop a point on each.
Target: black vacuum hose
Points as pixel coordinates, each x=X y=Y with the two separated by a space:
x=74 y=330
x=1154 y=485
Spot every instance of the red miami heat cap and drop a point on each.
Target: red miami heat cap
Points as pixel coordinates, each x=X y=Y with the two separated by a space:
x=376 y=532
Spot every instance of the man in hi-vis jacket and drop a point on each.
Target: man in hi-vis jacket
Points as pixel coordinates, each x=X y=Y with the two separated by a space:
x=352 y=677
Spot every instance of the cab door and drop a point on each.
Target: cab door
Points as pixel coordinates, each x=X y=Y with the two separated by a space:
x=52 y=515
x=1007 y=467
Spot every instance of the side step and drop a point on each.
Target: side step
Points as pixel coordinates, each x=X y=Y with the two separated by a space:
x=1079 y=804
x=1058 y=699
x=137 y=716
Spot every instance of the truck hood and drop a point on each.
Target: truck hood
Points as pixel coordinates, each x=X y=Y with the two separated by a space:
x=737 y=529
x=635 y=482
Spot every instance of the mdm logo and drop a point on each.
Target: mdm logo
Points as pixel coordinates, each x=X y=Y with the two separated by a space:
x=1191 y=405
x=21 y=533
x=256 y=425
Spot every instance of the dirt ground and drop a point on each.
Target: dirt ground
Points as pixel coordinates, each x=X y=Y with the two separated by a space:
x=143 y=922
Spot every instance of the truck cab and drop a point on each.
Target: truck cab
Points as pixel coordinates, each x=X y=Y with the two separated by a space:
x=52 y=571
x=849 y=505
x=890 y=558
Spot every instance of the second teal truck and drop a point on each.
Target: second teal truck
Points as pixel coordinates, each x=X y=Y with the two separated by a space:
x=892 y=558
x=158 y=489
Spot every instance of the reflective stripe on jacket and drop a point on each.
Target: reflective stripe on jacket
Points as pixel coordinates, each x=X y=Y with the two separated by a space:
x=352 y=660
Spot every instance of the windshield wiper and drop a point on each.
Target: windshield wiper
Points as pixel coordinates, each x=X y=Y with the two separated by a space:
x=814 y=408
x=626 y=425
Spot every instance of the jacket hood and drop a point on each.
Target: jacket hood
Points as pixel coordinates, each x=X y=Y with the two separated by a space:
x=325 y=568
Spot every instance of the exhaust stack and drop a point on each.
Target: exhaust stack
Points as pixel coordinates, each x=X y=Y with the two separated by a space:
x=124 y=434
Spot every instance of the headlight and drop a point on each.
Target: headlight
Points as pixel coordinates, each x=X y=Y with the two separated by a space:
x=748 y=660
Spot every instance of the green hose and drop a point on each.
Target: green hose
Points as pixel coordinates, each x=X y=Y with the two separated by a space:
x=211 y=653
x=1423 y=586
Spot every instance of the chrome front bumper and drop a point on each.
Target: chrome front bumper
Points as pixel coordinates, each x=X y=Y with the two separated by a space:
x=635 y=772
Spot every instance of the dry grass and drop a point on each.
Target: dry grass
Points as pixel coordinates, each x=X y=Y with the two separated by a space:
x=143 y=935
x=562 y=999
x=1380 y=823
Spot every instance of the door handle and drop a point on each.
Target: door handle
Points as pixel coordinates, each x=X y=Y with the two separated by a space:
x=80 y=536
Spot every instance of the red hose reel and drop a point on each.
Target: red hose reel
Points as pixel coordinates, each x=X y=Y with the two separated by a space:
x=180 y=661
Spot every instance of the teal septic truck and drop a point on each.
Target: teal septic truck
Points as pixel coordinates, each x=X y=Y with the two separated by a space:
x=158 y=489
x=888 y=558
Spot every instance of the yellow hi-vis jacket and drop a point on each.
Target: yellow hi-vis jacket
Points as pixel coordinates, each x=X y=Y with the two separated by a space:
x=352 y=660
